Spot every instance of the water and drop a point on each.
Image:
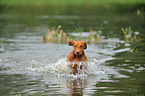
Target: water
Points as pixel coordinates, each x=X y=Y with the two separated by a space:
x=29 y=67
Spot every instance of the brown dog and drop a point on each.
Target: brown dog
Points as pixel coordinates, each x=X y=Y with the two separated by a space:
x=77 y=55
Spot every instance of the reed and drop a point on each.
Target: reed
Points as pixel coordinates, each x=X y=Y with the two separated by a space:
x=80 y=30
x=140 y=12
x=130 y=36
x=55 y=36
x=43 y=40
x=58 y=36
x=1 y=39
x=91 y=37
x=94 y=37
x=97 y=38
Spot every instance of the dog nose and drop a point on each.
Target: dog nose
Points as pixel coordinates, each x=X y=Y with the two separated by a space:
x=77 y=52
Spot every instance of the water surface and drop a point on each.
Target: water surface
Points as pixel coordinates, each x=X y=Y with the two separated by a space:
x=29 y=67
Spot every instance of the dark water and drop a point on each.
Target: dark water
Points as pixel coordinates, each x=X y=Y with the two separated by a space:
x=29 y=67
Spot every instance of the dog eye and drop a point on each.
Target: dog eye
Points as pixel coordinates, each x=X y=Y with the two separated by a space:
x=75 y=46
x=81 y=46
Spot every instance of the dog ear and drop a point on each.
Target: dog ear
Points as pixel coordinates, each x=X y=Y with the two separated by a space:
x=85 y=43
x=70 y=43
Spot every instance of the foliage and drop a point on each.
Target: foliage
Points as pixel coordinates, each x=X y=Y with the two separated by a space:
x=58 y=36
x=131 y=36
x=1 y=39
x=80 y=30
x=55 y=35
x=94 y=37
x=141 y=12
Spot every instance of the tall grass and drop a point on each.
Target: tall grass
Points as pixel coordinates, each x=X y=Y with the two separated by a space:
x=55 y=36
x=131 y=36
x=58 y=36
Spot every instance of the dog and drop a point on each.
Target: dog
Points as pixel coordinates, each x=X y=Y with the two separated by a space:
x=77 y=55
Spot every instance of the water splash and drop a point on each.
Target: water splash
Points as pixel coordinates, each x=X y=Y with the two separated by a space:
x=92 y=67
x=36 y=58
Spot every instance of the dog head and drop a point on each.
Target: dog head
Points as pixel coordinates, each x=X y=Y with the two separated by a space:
x=79 y=46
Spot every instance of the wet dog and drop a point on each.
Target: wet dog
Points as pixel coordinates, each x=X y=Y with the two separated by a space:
x=77 y=55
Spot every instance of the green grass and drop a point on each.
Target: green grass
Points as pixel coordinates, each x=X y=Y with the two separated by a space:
x=65 y=2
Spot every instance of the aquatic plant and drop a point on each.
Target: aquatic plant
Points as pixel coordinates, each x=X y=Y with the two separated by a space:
x=1 y=39
x=131 y=36
x=53 y=36
x=94 y=37
x=140 y=12
x=58 y=36
x=80 y=30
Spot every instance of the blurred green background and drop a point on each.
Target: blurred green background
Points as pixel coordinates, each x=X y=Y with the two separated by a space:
x=107 y=16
